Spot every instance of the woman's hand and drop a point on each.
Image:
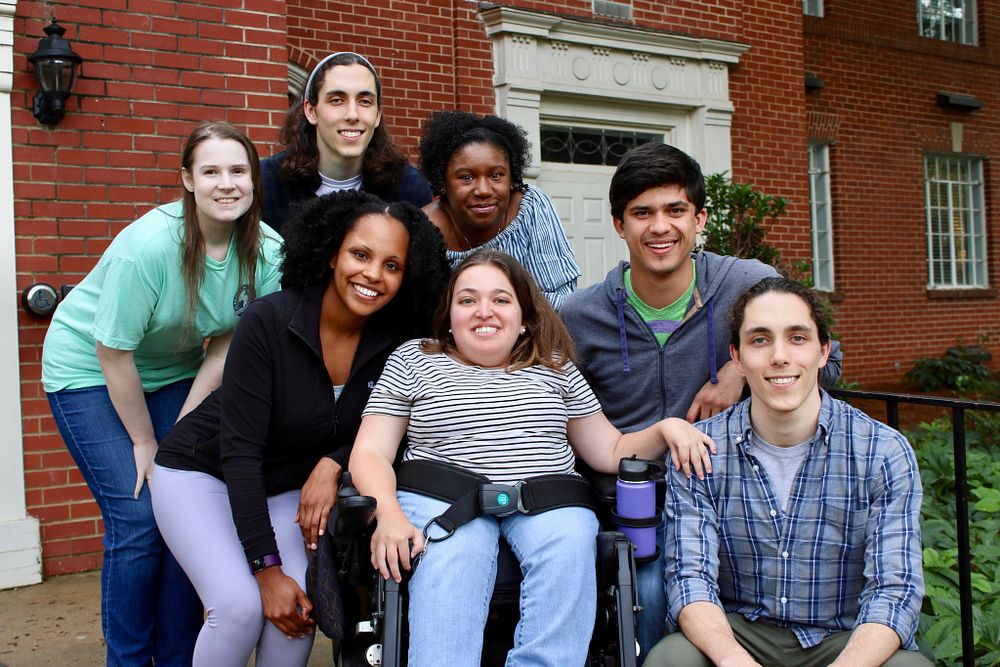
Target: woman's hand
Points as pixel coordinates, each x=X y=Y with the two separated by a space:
x=285 y=604
x=125 y=392
x=319 y=494
x=689 y=447
x=144 y=454
x=395 y=542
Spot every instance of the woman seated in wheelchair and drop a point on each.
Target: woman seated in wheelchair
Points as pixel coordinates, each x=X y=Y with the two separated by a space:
x=495 y=393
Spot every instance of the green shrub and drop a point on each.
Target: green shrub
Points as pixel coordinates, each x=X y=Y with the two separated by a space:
x=948 y=372
x=939 y=634
x=737 y=214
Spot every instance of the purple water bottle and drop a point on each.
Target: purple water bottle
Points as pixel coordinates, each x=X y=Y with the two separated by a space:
x=635 y=505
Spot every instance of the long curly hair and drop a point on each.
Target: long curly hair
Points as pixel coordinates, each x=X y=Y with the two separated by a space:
x=316 y=234
x=445 y=132
x=383 y=164
x=248 y=236
x=546 y=340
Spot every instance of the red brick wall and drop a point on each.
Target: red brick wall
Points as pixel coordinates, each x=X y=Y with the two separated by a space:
x=152 y=70
x=155 y=67
x=880 y=95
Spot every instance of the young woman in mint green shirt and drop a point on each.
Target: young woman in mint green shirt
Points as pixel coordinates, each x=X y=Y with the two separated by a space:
x=138 y=343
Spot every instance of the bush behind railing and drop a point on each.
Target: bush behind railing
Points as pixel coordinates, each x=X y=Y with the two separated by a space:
x=940 y=620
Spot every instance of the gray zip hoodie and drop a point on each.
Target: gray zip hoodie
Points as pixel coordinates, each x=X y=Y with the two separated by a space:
x=638 y=382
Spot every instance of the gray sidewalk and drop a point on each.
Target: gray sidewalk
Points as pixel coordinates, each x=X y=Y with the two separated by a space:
x=58 y=624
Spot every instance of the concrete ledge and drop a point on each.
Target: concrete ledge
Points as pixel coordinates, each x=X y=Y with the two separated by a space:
x=20 y=553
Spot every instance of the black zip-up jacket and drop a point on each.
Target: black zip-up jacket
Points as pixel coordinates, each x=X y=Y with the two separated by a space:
x=263 y=431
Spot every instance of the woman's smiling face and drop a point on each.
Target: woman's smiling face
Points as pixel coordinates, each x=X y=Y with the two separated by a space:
x=485 y=316
x=368 y=268
x=477 y=186
x=220 y=180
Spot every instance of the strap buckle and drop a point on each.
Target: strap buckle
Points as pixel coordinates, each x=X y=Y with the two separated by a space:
x=501 y=499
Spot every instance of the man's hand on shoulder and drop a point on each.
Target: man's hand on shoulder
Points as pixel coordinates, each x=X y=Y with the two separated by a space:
x=712 y=399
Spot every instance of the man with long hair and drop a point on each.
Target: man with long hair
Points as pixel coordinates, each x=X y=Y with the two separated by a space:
x=336 y=139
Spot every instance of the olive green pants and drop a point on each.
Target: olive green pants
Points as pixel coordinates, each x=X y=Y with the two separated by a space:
x=769 y=645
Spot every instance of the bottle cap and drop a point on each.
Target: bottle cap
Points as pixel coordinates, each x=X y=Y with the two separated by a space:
x=634 y=470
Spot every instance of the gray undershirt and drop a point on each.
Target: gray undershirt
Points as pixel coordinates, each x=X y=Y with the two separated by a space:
x=780 y=464
x=328 y=185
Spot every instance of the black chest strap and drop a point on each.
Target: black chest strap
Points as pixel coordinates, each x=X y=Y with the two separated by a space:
x=472 y=495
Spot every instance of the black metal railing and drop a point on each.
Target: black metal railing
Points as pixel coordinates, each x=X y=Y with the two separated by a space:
x=959 y=408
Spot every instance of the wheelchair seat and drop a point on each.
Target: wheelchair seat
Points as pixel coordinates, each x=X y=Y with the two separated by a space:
x=375 y=630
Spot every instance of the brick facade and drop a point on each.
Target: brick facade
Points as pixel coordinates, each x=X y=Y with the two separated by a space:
x=879 y=107
x=153 y=68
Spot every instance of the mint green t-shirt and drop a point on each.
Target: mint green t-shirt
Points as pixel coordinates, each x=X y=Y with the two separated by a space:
x=134 y=300
x=662 y=321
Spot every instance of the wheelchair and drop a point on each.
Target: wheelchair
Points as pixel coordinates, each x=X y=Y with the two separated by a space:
x=375 y=609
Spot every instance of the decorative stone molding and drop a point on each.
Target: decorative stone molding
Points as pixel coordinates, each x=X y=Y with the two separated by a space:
x=606 y=58
x=540 y=56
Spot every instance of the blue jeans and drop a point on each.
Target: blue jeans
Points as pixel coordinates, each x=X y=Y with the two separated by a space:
x=651 y=622
x=149 y=610
x=451 y=588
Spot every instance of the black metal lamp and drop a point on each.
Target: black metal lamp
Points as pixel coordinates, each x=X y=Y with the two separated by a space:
x=55 y=66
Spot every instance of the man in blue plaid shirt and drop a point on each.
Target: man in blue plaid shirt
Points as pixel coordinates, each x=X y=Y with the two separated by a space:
x=803 y=545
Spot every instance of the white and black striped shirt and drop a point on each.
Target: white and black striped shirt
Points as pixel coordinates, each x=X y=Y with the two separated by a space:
x=506 y=426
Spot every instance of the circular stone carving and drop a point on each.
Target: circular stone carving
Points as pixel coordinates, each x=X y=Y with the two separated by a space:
x=660 y=78
x=581 y=68
x=622 y=73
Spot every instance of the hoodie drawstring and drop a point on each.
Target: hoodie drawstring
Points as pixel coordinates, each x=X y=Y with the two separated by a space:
x=713 y=375
x=623 y=341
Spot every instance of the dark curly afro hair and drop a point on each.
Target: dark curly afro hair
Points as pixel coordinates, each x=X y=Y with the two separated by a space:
x=447 y=131
x=318 y=230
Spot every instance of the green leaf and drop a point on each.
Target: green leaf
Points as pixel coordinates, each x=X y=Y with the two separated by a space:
x=989 y=499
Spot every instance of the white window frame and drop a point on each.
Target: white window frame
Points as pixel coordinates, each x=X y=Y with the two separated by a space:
x=812 y=7
x=821 y=214
x=948 y=20
x=956 y=227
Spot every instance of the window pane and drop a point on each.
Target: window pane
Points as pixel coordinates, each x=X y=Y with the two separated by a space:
x=949 y=20
x=955 y=224
x=812 y=7
x=822 y=222
x=584 y=145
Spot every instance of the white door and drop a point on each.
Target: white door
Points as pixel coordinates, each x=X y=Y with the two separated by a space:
x=580 y=195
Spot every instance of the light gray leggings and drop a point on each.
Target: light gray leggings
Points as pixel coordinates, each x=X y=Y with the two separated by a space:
x=193 y=513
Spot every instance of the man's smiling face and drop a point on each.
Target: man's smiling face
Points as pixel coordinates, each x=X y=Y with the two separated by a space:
x=780 y=352
x=660 y=227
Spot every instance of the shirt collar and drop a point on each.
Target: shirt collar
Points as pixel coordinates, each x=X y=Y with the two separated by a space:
x=823 y=429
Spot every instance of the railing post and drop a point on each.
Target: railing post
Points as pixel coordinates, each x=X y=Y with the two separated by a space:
x=964 y=549
x=892 y=413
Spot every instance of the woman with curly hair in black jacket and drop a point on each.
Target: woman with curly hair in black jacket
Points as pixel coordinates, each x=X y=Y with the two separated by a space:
x=265 y=451
x=475 y=164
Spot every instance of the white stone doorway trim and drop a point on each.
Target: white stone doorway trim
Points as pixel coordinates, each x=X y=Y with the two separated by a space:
x=536 y=55
x=20 y=540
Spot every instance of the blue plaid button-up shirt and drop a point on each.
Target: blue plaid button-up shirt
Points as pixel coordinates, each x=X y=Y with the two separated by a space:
x=846 y=552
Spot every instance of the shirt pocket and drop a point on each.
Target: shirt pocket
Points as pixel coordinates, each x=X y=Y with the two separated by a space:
x=842 y=527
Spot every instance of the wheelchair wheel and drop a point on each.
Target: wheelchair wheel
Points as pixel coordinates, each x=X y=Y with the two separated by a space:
x=613 y=644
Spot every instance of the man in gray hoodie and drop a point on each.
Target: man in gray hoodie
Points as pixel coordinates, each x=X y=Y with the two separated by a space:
x=652 y=339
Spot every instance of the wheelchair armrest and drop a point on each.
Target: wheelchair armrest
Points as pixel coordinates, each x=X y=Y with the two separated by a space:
x=354 y=511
